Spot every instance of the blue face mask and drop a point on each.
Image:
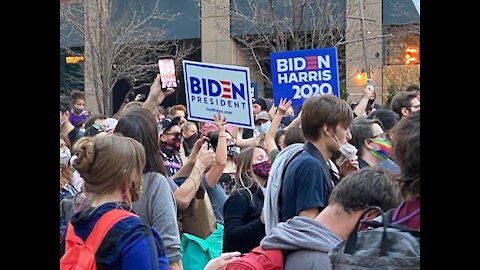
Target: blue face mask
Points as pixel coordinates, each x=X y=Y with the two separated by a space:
x=264 y=127
x=100 y=128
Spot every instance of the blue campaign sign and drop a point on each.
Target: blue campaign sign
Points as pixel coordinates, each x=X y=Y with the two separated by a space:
x=255 y=89
x=214 y=88
x=298 y=75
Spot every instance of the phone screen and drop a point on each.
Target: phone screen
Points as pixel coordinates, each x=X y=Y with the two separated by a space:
x=370 y=84
x=167 y=73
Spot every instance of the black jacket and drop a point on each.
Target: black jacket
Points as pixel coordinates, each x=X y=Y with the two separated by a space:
x=243 y=229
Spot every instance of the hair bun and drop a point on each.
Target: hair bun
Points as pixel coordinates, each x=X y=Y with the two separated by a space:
x=85 y=151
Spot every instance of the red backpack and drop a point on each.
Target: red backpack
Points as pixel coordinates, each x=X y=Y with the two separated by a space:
x=258 y=259
x=80 y=255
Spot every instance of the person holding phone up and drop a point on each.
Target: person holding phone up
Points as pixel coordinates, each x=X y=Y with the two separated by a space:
x=367 y=103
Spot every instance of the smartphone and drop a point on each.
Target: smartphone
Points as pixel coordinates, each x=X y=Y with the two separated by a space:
x=168 y=77
x=209 y=143
x=370 y=84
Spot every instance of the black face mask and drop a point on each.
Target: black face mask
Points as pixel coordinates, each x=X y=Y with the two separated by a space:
x=190 y=141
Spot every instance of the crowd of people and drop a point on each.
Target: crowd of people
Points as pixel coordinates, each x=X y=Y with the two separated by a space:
x=298 y=182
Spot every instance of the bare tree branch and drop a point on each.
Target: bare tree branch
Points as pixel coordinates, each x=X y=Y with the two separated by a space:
x=283 y=25
x=265 y=26
x=121 y=45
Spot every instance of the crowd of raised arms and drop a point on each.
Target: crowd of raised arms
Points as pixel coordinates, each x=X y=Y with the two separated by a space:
x=290 y=191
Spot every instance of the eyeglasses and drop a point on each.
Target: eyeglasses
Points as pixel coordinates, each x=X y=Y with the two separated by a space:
x=382 y=135
x=173 y=133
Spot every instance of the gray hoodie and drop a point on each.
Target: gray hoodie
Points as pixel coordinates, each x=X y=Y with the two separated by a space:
x=307 y=241
x=274 y=183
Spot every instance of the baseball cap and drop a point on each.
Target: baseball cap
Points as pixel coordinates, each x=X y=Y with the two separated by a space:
x=263 y=115
x=167 y=123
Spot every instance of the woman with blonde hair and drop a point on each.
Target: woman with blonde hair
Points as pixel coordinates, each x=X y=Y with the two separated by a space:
x=111 y=166
x=244 y=224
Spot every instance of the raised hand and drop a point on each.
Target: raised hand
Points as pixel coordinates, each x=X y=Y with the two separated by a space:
x=368 y=91
x=284 y=105
x=219 y=122
x=156 y=94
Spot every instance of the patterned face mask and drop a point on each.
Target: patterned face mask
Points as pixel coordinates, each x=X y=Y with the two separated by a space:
x=262 y=169
x=385 y=147
x=65 y=156
x=77 y=110
x=171 y=147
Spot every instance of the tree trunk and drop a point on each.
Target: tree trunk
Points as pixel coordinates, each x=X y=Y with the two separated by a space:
x=97 y=16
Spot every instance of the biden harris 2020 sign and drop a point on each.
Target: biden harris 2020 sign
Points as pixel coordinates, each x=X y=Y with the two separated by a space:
x=298 y=75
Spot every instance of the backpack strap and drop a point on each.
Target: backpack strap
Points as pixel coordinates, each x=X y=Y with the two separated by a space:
x=71 y=239
x=388 y=216
x=101 y=228
x=103 y=225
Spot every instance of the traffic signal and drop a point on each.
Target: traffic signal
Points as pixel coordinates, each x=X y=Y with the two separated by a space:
x=411 y=56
